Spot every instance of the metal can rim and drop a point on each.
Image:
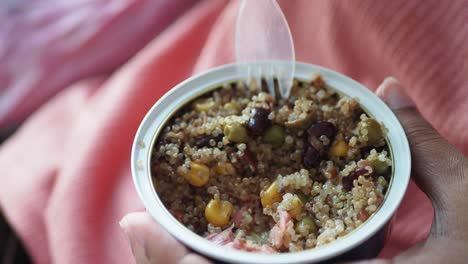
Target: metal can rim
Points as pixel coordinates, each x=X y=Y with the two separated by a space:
x=199 y=84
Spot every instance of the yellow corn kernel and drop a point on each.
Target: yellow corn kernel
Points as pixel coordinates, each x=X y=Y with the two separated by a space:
x=295 y=206
x=198 y=174
x=217 y=212
x=224 y=168
x=339 y=148
x=270 y=195
x=232 y=106
x=204 y=104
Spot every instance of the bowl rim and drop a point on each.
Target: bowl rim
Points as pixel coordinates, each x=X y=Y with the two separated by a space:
x=187 y=90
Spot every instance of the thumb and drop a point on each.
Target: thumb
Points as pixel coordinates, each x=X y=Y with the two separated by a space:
x=150 y=243
x=438 y=167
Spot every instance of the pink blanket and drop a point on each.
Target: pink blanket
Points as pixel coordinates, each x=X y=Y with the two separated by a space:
x=46 y=45
x=65 y=177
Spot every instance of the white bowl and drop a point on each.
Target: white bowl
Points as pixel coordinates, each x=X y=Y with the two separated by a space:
x=197 y=85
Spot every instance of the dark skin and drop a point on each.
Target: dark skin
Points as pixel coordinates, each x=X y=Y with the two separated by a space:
x=439 y=169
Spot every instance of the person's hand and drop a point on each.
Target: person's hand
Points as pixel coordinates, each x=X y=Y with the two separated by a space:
x=150 y=243
x=439 y=169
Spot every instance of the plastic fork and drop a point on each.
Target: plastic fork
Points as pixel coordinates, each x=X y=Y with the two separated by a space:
x=264 y=45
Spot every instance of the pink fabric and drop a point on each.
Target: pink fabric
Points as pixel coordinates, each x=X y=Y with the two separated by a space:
x=65 y=177
x=47 y=45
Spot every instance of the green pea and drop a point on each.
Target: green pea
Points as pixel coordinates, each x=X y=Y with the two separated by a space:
x=372 y=129
x=302 y=197
x=306 y=225
x=380 y=167
x=274 y=135
x=236 y=133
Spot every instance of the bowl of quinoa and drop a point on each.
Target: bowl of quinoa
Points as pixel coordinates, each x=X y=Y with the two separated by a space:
x=242 y=176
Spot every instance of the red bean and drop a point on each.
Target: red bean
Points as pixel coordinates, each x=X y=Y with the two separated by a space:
x=250 y=159
x=354 y=175
x=362 y=215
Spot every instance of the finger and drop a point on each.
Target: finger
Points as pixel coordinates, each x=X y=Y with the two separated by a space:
x=435 y=251
x=150 y=243
x=372 y=261
x=439 y=168
x=428 y=252
x=392 y=93
x=434 y=160
x=193 y=259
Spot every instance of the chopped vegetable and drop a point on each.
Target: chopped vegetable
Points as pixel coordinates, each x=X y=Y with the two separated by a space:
x=198 y=174
x=225 y=168
x=339 y=148
x=369 y=128
x=217 y=212
x=204 y=104
x=274 y=135
x=296 y=206
x=270 y=195
x=306 y=226
x=236 y=133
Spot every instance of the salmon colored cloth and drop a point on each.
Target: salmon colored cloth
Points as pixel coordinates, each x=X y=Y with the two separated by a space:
x=46 y=45
x=65 y=177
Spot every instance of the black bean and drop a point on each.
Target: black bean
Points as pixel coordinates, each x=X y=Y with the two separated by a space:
x=316 y=144
x=354 y=175
x=311 y=157
x=322 y=128
x=259 y=121
x=315 y=131
x=365 y=151
x=204 y=140
x=335 y=96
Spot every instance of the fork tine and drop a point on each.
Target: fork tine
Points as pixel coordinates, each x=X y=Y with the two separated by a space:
x=284 y=83
x=249 y=71
x=258 y=76
x=269 y=76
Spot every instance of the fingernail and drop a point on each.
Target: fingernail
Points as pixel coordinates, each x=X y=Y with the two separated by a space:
x=393 y=94
x=123 y=225
x=131 y=227
x=137 y=248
